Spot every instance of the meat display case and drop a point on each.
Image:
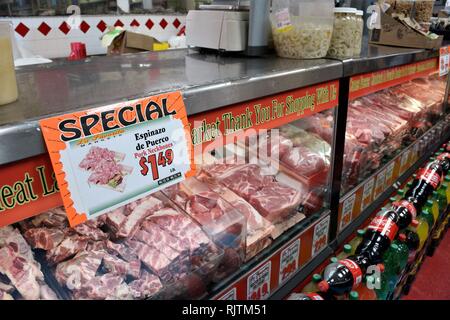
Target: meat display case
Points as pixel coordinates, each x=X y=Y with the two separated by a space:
x=261 y=212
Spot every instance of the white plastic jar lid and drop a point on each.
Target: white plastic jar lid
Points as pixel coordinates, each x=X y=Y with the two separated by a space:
x=359 y=12
x=345 y=10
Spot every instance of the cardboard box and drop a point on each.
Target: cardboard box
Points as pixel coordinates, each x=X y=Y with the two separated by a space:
x=130 y=42
x=395 y=33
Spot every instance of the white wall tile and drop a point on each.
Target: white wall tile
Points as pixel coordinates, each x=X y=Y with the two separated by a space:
x=56 y=44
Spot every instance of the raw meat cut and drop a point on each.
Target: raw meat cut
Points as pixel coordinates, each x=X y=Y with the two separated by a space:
x=120 y=267
x=272 y=145
x=44 y=238
x=160 y=238
x=303 y=161
x=181 y=227
x=69 y=247
x=244 y=180
x=79 y=270
x=96 y=245
x=144 y=209
x=145 y=287
x=6 y=287
x=146 y=238
x=275 y=202
x=123 y=251
x=20 y=272
x=262 y=192
x=211 y=212
x=152 y=258
x=5 y=296
x=107 y=286
x=55 y=218
x=91 y=232
x=47 y=294
x=115 y=219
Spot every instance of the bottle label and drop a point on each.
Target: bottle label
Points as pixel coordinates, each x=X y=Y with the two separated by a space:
x=431 y=177
x=408 y=205
x=314 y=296
x=385 y=226
x=355 y=270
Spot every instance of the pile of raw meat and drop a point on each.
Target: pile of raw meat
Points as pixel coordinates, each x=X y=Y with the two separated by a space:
x=229 y=219
x=20 y=274
x=271 y=199
x=379 y=124
x=148 y=249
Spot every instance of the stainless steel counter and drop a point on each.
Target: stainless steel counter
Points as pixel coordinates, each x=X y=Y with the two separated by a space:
x=376 y=57
x=207 y=82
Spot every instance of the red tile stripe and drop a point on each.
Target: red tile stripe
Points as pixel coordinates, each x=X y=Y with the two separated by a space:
x=22 y=29
x=44 y=28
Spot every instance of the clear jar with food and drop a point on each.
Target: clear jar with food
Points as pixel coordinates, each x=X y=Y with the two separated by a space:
x=401 y=7
x=344 y=30
x=423 y=10
x=358 y=33
x=302 y=29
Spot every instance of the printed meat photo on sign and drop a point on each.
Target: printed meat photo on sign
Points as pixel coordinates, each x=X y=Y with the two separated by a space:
x=105 y=168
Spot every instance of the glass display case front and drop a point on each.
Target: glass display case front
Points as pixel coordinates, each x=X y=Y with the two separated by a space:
x=386 y=115
x=262 y=168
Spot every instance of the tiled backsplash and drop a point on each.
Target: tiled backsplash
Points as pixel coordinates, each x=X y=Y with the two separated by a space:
x=50 y=37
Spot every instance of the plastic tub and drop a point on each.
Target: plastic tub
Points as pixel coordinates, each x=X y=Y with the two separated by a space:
x=345 y=29
x=302 y=29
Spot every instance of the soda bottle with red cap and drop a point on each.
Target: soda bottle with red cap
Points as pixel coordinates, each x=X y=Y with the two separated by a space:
x=345 y=275
x=406 y=212
x=428 y=180
x=379 y=235
x=444 y=159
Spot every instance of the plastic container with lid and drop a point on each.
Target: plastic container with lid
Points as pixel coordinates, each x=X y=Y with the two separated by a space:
x=344 y=32
x=8 y=92
x=358 y=33
x=302 y=29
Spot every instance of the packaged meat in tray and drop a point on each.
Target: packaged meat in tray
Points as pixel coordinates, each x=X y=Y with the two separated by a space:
x=277 y=197
x=227 y=218
x=321 y=124
x=294 y=154
x=21 y=276
x=148 y=249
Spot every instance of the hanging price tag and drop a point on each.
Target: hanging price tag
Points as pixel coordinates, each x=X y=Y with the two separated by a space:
x=380 y=184
x=110 y=156
x=367 y=194
x=258 y=283
x=230 y=295
x=289 y=261
x=320 y=237
x=444 y=61
x=347 y=211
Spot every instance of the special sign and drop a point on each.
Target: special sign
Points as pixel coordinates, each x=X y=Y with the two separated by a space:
x=107 y=157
